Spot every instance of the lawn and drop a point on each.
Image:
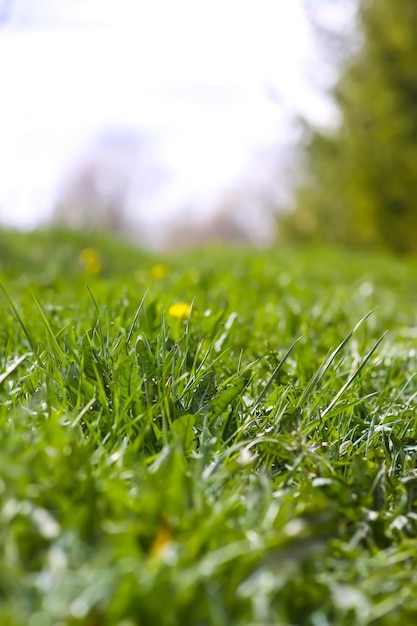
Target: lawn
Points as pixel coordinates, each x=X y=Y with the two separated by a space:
x=223 y=437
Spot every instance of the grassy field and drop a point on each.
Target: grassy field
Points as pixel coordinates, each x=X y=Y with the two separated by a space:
x=226 y=437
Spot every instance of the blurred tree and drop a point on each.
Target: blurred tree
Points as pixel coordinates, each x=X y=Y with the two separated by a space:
x=358 y=182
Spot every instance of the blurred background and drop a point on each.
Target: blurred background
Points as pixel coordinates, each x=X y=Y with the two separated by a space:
x=178 y=121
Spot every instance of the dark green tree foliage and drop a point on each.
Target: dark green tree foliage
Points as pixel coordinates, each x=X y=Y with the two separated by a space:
x=359 y=183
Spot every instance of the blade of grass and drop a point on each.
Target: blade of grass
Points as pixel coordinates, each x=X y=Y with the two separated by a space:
x=21 y=323
x=51 y=335
x=323 y=369
x=99 y=323
x=135 y=319
x=12 y=367
x=352 y=377
x=274 y=375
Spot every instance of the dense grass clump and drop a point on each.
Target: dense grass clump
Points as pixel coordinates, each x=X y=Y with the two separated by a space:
x=224 y=437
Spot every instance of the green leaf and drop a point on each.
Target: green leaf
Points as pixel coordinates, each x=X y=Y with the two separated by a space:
x=182 y=430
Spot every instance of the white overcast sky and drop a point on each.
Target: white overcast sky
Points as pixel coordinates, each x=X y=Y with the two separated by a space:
x=199 y=73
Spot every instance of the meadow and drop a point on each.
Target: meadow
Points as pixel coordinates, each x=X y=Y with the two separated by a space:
x=222 y=437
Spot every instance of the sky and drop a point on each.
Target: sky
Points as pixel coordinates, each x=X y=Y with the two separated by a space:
x=214 y=81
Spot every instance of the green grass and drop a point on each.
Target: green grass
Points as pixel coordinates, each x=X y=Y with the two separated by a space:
x=251 y=463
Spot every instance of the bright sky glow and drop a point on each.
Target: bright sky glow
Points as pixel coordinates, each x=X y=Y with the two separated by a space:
x=199 y=73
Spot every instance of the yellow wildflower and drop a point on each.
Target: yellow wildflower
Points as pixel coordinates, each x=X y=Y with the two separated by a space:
x=158 y=271
x=161 y=542
x=90 y=260
x=179 y=310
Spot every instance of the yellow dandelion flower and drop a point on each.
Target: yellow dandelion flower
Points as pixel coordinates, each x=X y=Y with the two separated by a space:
x=179 y=310
x=90 y=260
x=161 y=542
x=158 y=271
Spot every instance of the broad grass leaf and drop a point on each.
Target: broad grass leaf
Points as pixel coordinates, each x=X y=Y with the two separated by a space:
x=182 y=430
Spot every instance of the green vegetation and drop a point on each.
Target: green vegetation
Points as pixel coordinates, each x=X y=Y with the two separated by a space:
x=359 y=185
x=246 y=457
